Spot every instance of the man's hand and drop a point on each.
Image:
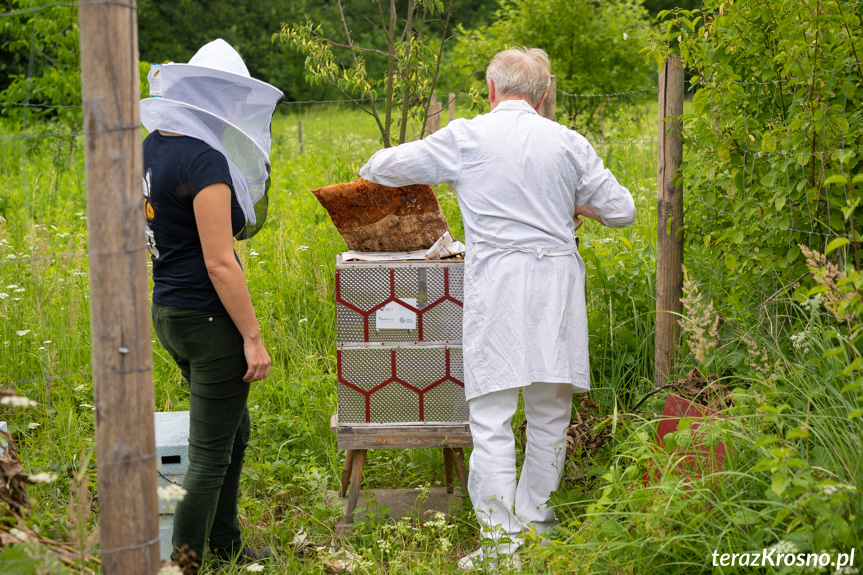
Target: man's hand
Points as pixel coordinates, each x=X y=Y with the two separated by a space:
x=585 y=211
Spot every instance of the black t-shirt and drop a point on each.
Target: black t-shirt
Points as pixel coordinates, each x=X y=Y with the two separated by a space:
x=176 y=168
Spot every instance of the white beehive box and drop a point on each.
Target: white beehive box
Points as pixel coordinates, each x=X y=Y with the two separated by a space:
x=399 y=342
x=172 y=461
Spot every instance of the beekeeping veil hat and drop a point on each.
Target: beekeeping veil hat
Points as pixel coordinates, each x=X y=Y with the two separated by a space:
x=214 y=99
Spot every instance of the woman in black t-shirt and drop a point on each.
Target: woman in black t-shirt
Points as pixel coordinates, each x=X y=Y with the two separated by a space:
x=196 y=202
x=203 y=316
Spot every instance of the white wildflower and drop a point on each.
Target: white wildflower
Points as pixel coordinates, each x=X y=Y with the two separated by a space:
x=19 y=290
x=799 y=341
x=33 y=425
x=829 y=489
x=171 y=493
x=625 y=36
x=305 y=319
x=22 y=332
x=302 y=248
x=811 y=303
x=87 y=405
x=385 y=546
x=254 y=567
x=43 y=477
x=783 y=547
x=10 y=256
x=79 y=388
x=47 y=341
x=17 y=401
x=3 y=295
x=444 y=544
x=41 y=348
x=11 y=286
x=170 y=570
x=18 y=534
x=254 y=254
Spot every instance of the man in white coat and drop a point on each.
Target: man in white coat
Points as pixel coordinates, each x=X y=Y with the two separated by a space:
x=520 y=180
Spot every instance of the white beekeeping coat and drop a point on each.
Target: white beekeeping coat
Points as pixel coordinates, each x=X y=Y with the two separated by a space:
x=517 y=177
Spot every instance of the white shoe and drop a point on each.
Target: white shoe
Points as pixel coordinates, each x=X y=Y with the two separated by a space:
x=508 y=563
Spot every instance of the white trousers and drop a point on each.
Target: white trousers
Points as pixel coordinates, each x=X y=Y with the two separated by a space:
x=503 y=506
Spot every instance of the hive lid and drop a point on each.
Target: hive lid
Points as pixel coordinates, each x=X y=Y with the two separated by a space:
x=375 y=218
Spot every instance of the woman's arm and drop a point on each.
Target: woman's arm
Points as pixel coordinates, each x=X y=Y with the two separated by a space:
x=212 y=208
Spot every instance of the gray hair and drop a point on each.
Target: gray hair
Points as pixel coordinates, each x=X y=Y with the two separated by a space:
x=520 y=72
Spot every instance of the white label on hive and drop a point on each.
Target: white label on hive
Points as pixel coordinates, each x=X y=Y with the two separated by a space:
x=395 y=316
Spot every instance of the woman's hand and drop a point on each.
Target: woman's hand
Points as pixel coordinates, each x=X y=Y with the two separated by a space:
x=257 y=358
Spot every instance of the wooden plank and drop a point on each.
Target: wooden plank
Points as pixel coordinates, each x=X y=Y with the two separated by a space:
x=433 y=118
x=458 y=462
x=404 y=437
x=669 y=211
x=549 y=107
x=358 y=461
x=119 y=309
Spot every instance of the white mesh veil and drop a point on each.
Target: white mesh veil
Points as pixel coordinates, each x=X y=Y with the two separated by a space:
x=213 y=99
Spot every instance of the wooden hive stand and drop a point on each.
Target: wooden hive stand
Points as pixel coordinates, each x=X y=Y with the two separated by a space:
x=357 y=440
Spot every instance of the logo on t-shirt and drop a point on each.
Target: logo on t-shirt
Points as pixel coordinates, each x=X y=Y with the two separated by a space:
x=150 y=214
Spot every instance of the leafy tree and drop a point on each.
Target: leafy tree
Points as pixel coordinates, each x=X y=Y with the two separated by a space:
x=657 y=6
x=593 y=46
x=772 y=156
x=173 y=31
x=400 y=40
x=46 y=37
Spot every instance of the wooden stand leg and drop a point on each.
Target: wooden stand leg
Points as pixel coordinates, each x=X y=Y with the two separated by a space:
x=458 y=462
x=448 y=468
x=346 y=474
x=358 y=461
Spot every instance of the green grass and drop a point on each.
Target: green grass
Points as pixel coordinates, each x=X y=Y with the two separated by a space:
x=612 y=522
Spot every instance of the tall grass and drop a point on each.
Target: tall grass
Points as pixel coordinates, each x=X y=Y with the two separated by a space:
x=612 y=520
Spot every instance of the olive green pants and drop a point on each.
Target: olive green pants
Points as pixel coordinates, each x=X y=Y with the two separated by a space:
x=209 y=351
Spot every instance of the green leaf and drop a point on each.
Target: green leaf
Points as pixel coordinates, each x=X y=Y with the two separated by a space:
x=837 y=179
x=833 y=352
x=625 y=241
x=765 y=440
x=780 y=484
x=837 y=243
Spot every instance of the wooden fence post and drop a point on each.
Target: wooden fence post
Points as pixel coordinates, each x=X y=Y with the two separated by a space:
x=451 y=107
x=669 y=211
x=549 y=107
x=433 y=120
x=119 y=310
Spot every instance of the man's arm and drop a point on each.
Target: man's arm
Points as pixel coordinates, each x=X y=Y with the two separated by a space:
x=599 y=196
x=433 y=160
